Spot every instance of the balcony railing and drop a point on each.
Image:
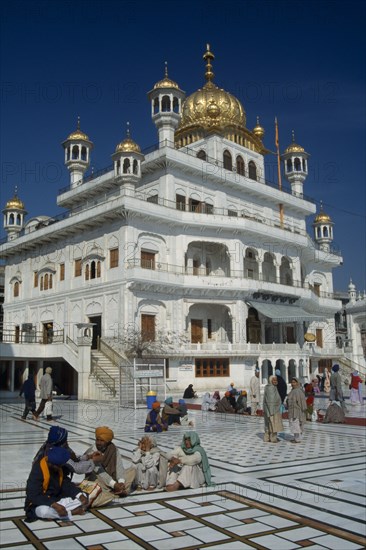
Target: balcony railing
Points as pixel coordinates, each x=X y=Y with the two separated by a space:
x=222 y=272
x=33 y=337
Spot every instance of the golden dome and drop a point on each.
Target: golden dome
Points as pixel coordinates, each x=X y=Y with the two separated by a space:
x=294 y=147
x=322 y=217
x=15 y=203
x=258 y=130
x=128 y=145
x=78 y=134
x=166 y=82
x=211 y=107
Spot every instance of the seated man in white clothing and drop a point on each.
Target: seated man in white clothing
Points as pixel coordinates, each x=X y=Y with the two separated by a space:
x=188 y=466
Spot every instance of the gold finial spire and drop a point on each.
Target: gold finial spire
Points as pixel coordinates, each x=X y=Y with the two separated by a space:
x=16 y=191
x=128 y=129
x=208 y=57
x=258 y=120
x=166 y=69
x=78 y=124
x=293 y=136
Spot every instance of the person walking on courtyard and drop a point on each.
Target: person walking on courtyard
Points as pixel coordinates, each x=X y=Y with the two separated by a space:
x=271 y=408
x=296 y=404
x=29 y=390
x=255 y=390
x=356 y=388
x=336 y=391
x=45 y=386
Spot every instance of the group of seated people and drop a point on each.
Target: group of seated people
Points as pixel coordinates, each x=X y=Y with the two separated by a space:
x=159 y=419
x=51 y=493
x=233 y=401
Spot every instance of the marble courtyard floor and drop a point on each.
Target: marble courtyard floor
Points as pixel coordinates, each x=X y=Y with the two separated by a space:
x=267 y=496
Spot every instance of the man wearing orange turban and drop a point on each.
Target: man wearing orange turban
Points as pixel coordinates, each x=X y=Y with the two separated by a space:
x=110 y=474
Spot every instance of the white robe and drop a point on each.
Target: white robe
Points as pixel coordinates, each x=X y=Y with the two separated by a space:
x=190 y=473
x=146 y=468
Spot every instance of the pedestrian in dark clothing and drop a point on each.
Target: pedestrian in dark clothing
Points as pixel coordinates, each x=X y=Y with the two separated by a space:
x=281 y=385
x=29 y=390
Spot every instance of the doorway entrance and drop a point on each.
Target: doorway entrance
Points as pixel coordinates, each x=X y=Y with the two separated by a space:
x=97 y=329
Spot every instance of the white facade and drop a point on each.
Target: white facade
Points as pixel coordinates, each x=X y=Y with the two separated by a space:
x=191 y=246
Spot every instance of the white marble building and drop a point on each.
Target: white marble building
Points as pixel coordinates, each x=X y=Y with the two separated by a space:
x=188 y=240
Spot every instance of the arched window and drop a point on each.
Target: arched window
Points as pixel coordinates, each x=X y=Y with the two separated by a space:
x=325 y=232
x=156 y=105
x=252 y=170
x=201 y=154
x=228 y=163
x=135 y=166
x=318 y=232
x=289 y=165
x=297 y=164
x=240 y=166
x=118 y=166
x=126 y=166
x=92 y=270
x=165 y=104
x=16 y=289
x=11 y=219
x=303 y=165
x=175 y=105
x=75 y=152
x=87 y=271
x=19 y=219
x=50 y=281
x=41 y=285
x=83 y=153
x=46 y=281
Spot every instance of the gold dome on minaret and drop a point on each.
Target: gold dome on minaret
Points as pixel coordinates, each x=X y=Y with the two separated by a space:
x=213 y=110
x=258 y=130
x=294 y=147
x=128 y=145
x=78 y=134
x=166 y=82
x=322 y=217
x=15 y=203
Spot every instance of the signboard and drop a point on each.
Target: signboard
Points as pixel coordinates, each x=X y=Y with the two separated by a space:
x=148 y=374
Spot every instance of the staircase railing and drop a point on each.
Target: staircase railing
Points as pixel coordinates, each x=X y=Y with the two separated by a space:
x=351 y=365
x=103 y=377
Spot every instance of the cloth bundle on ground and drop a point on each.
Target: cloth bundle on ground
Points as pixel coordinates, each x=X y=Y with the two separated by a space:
x=334 y=414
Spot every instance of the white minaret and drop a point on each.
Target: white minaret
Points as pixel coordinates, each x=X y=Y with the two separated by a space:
x=14 y=213
x=77 y=155
x=166 y=106
x=323 y=230
x=352 y=292
x=127 y=160
x=295 y=160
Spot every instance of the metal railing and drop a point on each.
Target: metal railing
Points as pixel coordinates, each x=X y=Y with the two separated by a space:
x=72 y=344
x=32 y=337
x=103 y=377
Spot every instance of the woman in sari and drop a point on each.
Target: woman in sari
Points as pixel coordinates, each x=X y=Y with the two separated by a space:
x=297 y=407
x=271 y=409
x=188 y=466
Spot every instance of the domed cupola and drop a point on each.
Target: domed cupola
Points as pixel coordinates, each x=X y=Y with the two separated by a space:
x=258 y=130
x=77 y=154
x=295 y=159
x=166 y=104
x=323 y=229
x=212 y=110
x=127 y=160
x=14 y=213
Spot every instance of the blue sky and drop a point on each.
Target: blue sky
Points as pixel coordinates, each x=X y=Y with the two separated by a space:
x=303 y=62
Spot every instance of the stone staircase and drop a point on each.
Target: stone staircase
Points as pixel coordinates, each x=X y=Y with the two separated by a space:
x=348 y=367
x=105 y=376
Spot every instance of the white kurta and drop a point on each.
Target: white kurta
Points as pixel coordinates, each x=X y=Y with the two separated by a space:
x=190 y=473
x=146 y=463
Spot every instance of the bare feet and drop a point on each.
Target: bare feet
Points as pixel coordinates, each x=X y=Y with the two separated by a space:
x=79 y=511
